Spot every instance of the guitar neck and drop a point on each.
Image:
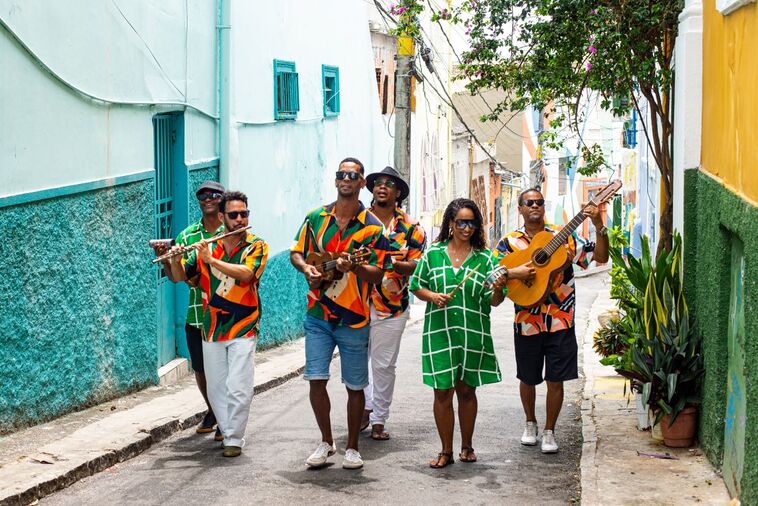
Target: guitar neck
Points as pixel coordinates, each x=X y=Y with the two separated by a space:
x=562 y=236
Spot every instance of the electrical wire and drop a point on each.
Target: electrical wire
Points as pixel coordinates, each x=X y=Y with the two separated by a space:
x=138 y=103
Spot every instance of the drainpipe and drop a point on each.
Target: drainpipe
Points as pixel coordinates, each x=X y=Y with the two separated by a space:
x=223 y=86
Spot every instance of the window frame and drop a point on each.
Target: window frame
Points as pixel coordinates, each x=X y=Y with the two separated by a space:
x=286 y=67
x=331 y=72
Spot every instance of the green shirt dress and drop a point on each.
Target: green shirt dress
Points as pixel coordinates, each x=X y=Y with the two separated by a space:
x=457 y=343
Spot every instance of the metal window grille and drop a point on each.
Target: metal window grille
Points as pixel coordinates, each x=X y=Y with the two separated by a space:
x=286 y=90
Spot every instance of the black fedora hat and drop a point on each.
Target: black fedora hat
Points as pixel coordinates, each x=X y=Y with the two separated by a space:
x=402 y=186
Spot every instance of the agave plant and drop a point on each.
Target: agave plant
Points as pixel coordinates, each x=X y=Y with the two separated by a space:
x=667 y=355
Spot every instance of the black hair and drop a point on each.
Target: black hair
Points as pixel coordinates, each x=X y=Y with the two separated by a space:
x=521 y=195
x=478 y=240
x=230 y=196
x=350 y=159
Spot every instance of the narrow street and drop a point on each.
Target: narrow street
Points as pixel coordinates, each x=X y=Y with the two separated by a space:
x=189 y=468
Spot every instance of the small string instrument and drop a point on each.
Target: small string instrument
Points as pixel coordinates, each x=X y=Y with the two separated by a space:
x=548 y=255
x=326 y=262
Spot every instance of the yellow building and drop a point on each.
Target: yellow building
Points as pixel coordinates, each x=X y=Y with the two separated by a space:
x=720 y=223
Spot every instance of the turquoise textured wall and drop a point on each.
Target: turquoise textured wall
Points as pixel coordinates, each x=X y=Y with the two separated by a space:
x=78 y=302
x=283 y=301
x=713 y=214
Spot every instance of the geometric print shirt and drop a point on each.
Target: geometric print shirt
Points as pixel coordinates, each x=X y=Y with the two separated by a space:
x=344 y=301
x=390 y=298
x=557 y=311
x=231 y=308
x=187 y=237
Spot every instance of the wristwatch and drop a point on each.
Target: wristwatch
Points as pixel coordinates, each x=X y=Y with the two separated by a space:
x=603 y=231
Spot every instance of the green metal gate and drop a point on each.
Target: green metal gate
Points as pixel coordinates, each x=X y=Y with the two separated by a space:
x=164 y=142
x=734 y=430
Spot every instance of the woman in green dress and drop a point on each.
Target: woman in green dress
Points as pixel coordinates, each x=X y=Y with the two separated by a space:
x=457 y=352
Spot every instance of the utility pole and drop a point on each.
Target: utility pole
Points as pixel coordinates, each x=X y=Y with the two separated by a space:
x=405 y=53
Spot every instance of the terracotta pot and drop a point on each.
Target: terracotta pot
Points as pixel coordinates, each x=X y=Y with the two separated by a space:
x=682 y=433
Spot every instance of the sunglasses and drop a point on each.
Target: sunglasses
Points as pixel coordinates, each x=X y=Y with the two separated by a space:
x=532 y=202
x=462 y=224
x=352 y=176
x=205 y=196
x=389 y=183
x=234 y=214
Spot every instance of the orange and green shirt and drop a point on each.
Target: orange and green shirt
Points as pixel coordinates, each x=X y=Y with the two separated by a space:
x=557 y=311
x=187 y=237
x=231 y=308
x=344 y=301
x=390 y=298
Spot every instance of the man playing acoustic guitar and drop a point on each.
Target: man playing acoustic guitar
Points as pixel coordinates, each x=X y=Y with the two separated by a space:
x=544 y=335
x=338 y=311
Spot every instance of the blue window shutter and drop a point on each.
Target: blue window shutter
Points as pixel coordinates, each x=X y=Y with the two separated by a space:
x=330 y=82
x=286 y=90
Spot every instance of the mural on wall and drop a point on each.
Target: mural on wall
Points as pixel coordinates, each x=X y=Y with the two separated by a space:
x=479 y=196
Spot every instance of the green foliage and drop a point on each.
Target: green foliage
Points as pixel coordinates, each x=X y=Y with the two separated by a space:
x=666 y=353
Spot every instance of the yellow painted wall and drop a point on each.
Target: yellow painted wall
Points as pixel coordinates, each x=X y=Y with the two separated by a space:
x=730 y=97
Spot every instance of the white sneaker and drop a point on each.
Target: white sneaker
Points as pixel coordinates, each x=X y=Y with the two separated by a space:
x=323 y=451
x=529 y=438
x=548 y=442
x=352 y=459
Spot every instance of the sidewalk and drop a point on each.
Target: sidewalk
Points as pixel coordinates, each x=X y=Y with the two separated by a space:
x=612 y=471
x=37 y=461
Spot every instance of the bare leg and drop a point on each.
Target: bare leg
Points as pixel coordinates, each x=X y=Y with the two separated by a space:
x=553 y=404
x=444 y=416
x=321 y=409
x=528 y=398
x=202 y=385
x=467 y=408
x=355 y=403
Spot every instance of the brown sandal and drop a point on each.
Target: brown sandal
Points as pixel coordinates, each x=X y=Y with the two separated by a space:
x=449 y=461
x=469 y=457
x=378 y=433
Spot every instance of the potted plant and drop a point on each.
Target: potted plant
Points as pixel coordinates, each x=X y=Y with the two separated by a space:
x=667 y=356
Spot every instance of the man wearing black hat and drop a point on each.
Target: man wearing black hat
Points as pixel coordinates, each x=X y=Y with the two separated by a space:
x=389 y=299
x=208 y=197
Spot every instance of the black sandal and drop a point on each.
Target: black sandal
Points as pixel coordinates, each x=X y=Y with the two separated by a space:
x=449 y=460
x=469 y=452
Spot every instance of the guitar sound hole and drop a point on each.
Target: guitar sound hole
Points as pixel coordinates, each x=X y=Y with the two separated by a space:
x=541 y=257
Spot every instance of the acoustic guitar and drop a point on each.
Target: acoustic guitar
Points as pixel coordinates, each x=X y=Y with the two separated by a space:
x=548 y=254
x=326 y=263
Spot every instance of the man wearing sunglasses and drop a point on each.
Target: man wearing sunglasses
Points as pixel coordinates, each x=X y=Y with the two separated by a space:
x=338 y=312
x=544 y=336
x=389 y=299
x=208 y=196
x=229 y=271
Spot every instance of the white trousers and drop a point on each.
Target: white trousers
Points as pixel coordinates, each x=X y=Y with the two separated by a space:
x=229 y=371
x=383 y=348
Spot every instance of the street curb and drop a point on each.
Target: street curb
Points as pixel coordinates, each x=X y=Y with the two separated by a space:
x=110 y=458
x=587 y=463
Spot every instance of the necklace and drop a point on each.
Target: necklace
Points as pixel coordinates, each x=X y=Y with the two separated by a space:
x=458 y=258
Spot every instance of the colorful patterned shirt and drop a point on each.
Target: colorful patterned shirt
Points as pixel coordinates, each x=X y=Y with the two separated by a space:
x=345 y=301
x=557 y=312
x=187 y=237
x=390 y=299
x=231 y=308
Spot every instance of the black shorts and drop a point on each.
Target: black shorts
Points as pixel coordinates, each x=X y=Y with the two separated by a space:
x=556 y=351
x=195 y=345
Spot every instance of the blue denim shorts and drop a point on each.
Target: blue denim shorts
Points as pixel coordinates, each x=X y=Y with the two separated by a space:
x=321 y=337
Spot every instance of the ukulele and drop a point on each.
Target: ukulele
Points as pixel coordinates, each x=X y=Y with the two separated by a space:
x=548 y=254
x=326 y=263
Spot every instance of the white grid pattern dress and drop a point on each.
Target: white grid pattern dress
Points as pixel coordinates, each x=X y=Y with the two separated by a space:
x=457 y=343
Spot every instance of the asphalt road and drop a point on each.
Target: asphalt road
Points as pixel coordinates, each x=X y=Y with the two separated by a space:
x=189 y=468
